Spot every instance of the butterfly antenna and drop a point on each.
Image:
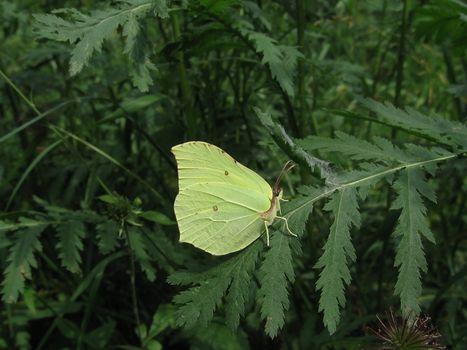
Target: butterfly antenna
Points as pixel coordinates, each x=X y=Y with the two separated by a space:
x=285 y=169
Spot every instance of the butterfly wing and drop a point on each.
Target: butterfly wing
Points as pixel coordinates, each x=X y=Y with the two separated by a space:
x=218 y=219
x=219 y=199
x=200 y=162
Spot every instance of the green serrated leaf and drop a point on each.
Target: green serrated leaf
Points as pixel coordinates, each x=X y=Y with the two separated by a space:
x=107 y=236
x=70 y=244
x=275 y=275
x=299 y=209
x=281 y=59
x=21 y=259
x=138 y=246
x=435 y=127
x=338 y=251
x=382 y=151
x=198 y=303
x=240 y=287
x=88 y=32
x=410 y=259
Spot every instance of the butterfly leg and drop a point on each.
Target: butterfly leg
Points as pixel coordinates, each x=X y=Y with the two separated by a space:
x=267 y=233
x=278 y=204
x=286 y=225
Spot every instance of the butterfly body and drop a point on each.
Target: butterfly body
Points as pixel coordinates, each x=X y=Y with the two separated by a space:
x=222 y=206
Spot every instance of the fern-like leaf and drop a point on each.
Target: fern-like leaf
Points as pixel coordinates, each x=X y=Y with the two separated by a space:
x=410 y=186
x=138 y=246
x=70 y=244
x=88 y=32
x=198 y=304
x=282 y=60
x=107 y=236
x=338 y=250
x=240 y=288
x=434 y=127
x=295 y=152
x=21 y=258
x=275 y=274
x=299 y=209
x=381 y=151
x=162 y=250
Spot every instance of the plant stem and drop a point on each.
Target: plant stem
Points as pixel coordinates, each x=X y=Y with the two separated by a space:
x=451 y=75
x=400 y=58
x=187 y=96
x=18 y=91
x=381 y=174
x=133 y=284
x=302 y=121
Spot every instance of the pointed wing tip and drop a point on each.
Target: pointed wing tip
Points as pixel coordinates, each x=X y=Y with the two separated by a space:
x=180 y=146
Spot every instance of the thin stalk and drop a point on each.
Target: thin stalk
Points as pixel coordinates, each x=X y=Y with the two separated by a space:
x=19 y=92
x=301 y=95
x=28 y=170
x=240 y=101
x=400 y=57
x=133 y=285
x=92 y=293
x=303 y=123
x=62 y=133
x=243 y=98
x=16 y=116
x=9 y=315
x=358 y=182
x=451 y=75
x=185 y=87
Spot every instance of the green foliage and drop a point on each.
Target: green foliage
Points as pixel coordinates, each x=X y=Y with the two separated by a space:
x=299 y=209
x=107 y=236
x=443 y=21
x=88 y=32
x=381 y=150
x=338 y=251
x=231 y=279
x=138 y=245
x=96 y=263
x=21 y=258
x=410 y=186
x=70 y=245
x=436 y=128
x=275 y=274
x=281 y=60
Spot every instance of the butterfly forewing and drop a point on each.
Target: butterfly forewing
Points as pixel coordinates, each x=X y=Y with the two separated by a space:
x=200 y=162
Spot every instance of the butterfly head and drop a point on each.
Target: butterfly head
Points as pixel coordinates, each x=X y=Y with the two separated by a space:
x=277 y=192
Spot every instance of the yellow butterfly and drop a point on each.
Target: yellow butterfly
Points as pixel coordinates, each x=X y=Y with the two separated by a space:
x=222 y=206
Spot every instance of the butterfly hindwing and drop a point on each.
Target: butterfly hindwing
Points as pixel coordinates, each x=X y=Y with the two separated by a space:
x=212 y=219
